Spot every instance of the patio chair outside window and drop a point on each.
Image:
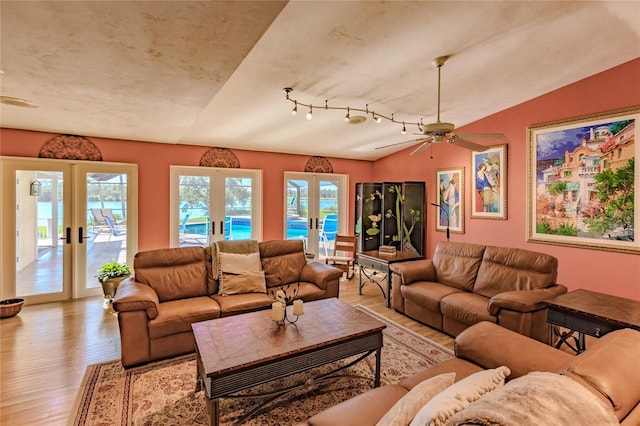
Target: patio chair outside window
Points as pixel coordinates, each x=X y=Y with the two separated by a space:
x=328 y=232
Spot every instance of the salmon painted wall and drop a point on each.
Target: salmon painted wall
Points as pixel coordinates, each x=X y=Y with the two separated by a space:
x=604 y=271
x=154 y=159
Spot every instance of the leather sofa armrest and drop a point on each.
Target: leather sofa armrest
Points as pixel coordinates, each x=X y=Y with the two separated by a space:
x=524 y=300
x=319 y=274
x=414 y=270
x=135 y=296
x=490 y=346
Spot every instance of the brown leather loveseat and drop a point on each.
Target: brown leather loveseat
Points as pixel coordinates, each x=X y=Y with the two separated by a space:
x=468 y=283
x=174 y=288
x=608 y=369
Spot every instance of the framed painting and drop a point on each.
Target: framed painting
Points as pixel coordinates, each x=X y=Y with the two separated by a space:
x=581 y=176
x=451 y=200
x=489 y=183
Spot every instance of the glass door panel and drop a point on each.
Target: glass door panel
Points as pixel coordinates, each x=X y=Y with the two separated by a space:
x=298 y=225
x=237 y=215
x=104 y=224
x=194 y=207
x=40 y=237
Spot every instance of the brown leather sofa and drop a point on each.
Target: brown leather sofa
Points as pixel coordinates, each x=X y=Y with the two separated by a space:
x=468 y=283
x=608 y=369
x=174 y=288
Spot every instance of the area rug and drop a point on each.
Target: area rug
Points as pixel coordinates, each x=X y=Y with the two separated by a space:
x=163 y=393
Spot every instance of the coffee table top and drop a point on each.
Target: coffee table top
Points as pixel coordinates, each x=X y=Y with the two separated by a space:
x=599 y=305
x=398 y=256
x=244 y=341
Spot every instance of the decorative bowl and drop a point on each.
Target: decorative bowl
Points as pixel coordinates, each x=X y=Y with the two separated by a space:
x=10 y=307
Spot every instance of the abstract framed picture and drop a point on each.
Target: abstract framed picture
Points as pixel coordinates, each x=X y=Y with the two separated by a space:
x=489 y=183
x=450 y=200
x=581 y=176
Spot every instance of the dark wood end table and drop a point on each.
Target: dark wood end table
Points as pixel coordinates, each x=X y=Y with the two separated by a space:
x=589 y=313
x=381 y=263
x=242 y=351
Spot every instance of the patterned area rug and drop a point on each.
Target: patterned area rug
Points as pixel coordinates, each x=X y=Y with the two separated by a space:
x=162 y=393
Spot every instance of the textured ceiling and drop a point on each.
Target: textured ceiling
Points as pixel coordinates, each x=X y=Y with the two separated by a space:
x=211 y=73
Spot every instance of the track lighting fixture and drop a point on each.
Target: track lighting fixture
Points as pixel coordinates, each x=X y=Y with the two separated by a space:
x=349 y=118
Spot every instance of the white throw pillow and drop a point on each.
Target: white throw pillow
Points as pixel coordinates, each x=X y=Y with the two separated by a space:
x=404 y=410
x=459 y=395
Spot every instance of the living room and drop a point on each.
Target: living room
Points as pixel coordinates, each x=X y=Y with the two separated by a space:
x=614 y=273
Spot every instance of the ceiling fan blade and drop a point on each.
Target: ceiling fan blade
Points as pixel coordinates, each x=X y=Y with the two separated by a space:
x=496 y=136
x=456 y=140
x=421 y=148
x=399 y=143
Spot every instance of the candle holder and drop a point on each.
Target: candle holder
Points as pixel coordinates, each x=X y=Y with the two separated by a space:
x=279 y=306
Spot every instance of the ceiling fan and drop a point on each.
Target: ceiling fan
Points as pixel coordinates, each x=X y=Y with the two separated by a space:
x=440 y=132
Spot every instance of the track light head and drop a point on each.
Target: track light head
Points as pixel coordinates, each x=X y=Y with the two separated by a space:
x=310 y=113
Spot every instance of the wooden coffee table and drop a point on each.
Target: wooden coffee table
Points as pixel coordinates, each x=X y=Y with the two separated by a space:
x=242 y=351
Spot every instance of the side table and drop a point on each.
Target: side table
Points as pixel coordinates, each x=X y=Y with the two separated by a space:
x=589 y=313
x=380 y=263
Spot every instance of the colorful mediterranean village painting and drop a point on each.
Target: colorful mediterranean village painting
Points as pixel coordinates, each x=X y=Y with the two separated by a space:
x=584 y=181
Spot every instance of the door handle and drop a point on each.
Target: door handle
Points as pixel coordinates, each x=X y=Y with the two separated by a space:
x=222 y=227
x=67 y=237
x=310 y=223
x=317 y=227
x=213 y=228
x=81 y=238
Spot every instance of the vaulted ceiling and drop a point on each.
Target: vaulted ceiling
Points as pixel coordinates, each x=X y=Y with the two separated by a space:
x=212 y=72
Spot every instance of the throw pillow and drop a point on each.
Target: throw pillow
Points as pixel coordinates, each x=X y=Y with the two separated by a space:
x=241 y=273
x=459 y=395
x=406 y=408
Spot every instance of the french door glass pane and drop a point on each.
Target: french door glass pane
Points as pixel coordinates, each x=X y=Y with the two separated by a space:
x=237 y=214
x=297 y=209
x=106 y=219
x=39 y=223
x=195 y=210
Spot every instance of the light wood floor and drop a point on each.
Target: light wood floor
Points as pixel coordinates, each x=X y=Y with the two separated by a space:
x=46 y=348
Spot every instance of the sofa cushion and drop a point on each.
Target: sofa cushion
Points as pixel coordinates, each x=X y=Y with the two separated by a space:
x=466 y=308
x=507 y=269
x=427 y=294
x=176 y=316
x=282 y=261
x=457 y=264
x=456 y=397
x=174 y=274
x=609 y=369
x=241 y=303
x=405 y=409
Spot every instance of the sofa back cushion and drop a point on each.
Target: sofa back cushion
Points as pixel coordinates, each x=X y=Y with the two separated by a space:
x=508 y=269
x=282 y=261
x=609 y=369
x=174 y=273
x=457 y=264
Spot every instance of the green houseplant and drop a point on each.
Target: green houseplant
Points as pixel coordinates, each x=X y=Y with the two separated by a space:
x=110 y=274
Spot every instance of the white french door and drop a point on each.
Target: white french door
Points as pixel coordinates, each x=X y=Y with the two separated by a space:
x=210 y=204
x=309 y=199
x=54 y=235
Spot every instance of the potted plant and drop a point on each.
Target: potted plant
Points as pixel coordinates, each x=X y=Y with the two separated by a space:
x=110 y=274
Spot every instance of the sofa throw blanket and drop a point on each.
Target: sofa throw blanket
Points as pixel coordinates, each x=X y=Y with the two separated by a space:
x=537 y=399
x=236 y=265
